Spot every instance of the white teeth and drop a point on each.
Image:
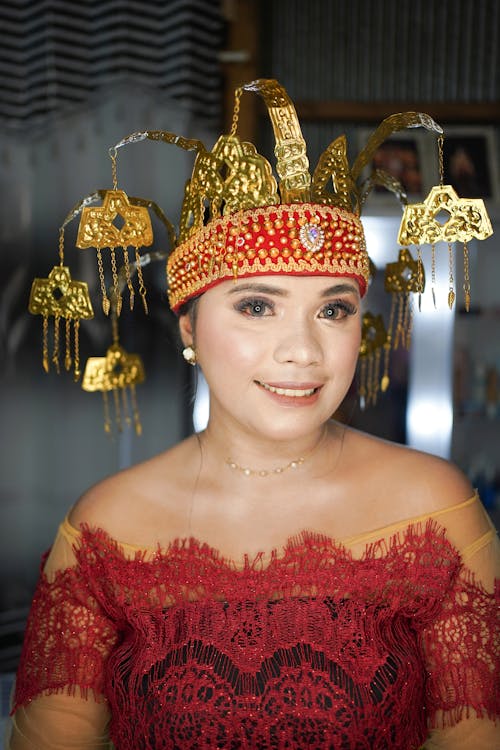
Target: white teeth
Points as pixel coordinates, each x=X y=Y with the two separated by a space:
x=297 y=392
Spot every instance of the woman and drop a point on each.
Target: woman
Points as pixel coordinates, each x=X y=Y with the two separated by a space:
x=279 y=580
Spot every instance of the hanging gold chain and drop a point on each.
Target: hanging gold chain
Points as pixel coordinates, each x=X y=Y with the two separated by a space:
x=236 y=111
x=45 y=353
x=55 y=352
x=76 y=345
x=140 y=278
x=112 y=155
x=128 y=278
x=466 y=277
x=67 y=356
x=116 y=295
x=61 y=246
x=105 y=301
x=451 y=292
x=441 y=159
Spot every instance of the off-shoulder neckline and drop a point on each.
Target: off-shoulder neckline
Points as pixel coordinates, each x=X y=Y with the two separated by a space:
x=72 y=533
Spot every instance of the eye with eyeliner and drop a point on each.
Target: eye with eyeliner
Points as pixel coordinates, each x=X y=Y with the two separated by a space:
x=254 y=307
x=337 y=310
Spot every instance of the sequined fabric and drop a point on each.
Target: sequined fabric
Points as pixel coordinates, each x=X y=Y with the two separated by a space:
x=311 y=649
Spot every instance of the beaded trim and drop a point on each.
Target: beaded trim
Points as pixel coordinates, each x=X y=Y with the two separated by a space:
x=301 y=239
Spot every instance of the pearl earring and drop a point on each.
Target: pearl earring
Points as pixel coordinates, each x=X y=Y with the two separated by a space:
x=189 y=355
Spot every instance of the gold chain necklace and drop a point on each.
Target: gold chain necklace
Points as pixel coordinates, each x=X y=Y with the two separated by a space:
x=264 y=472
x=294 y=464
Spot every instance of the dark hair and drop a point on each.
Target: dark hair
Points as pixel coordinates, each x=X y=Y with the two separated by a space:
x=190 y=308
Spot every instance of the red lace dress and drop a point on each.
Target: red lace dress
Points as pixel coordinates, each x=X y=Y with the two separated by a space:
x=366 y=644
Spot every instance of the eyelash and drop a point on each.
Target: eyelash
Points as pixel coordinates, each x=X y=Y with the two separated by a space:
x=248 y=307
x=339 y=306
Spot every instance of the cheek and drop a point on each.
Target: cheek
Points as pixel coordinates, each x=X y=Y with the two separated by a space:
x=225 y=349
x=345 y=352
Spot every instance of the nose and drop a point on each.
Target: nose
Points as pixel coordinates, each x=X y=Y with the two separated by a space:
x=297 y=343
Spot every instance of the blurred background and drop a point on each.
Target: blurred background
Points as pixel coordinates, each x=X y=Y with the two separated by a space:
x=75 y=78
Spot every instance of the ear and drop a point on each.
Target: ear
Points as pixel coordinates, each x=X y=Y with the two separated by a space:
x=186 y=330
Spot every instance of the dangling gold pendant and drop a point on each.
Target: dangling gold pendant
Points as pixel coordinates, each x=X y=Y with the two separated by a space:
x=401 y=278
x=117 y=373
x=373 y=341
x=58 y=296
x=117 y=223
x=445 y=217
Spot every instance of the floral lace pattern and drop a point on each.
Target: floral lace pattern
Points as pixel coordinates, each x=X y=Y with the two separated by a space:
x=314 y=649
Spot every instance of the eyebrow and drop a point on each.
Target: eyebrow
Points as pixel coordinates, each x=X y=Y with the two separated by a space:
x=340 y=289
x=256 y=287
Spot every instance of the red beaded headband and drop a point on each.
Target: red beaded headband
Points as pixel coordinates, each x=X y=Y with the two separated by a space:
x=298 y=239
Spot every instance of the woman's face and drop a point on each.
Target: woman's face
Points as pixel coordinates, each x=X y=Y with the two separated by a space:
x=278 y=352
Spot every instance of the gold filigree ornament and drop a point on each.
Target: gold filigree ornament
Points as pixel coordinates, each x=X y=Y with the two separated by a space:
x=117 y=223
x=60 y=297
x=374 y=340
x=445 y=217
x=117 y=373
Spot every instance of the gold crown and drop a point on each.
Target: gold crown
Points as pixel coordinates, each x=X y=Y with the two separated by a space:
x=233 y=204
x=236 y=221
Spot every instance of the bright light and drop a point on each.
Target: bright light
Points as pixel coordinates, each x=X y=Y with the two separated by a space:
x=429 y=416
x=380 y=234
x=429 y=420
x=201 y=403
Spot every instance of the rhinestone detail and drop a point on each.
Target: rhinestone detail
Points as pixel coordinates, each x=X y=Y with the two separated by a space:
x=312 y=237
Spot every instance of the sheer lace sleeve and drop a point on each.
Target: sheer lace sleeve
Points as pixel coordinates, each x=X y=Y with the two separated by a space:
x=58 y=698
x=463 y=644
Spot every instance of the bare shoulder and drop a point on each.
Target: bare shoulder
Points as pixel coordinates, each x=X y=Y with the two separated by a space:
x=127 y=503
x=421 y=482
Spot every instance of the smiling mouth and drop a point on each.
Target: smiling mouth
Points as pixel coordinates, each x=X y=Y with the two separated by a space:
x=294 y=392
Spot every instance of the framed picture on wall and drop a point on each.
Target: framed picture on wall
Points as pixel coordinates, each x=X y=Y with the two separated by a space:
x=405 y=156
x=470 y=162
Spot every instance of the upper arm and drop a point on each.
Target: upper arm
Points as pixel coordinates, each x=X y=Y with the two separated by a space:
x=457 y=508
x=60 y=722
x=462 y=645
x=471 y=733
x=59 y=691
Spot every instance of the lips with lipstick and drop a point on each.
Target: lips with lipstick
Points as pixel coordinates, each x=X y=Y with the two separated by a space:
x=304 y=391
